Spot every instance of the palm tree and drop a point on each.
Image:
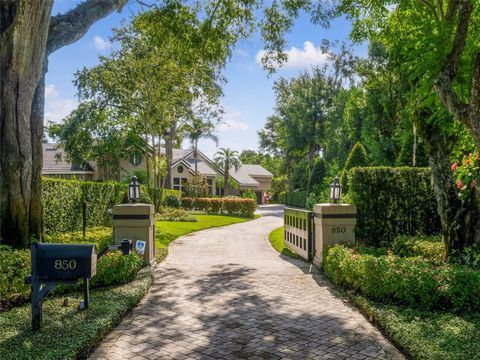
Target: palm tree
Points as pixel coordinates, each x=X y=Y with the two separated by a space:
x=225 y=159
x=197 y=130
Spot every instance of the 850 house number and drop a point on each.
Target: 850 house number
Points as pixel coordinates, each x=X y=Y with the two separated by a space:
x=65 y=264
x=339 y=229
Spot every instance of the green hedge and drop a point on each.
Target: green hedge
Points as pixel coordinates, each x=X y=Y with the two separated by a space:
x=63 y=201
x=227 y=205
x=393 y=201
x=414 y=282
x=159 y=195
x=296 y=198
x=14 y=265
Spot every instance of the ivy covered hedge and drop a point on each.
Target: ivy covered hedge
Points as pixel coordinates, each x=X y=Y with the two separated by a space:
x=226 y=205
x=296 y=198
x=393 y=201
x=63 y=201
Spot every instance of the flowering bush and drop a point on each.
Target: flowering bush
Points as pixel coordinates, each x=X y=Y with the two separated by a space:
x=226 y=205
x=466 y=174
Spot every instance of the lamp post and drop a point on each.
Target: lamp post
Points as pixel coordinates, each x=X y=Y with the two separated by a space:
x=133 y=190
x=335 y=190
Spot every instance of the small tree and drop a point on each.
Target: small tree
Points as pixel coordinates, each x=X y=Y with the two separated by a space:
x=226 y=159
x=357 y=158
x=197 y=187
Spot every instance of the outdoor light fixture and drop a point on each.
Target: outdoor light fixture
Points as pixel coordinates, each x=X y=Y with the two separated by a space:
x=335 y=190
x=133 y=190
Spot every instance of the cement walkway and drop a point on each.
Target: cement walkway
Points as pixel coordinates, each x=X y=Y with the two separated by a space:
x=226 y=294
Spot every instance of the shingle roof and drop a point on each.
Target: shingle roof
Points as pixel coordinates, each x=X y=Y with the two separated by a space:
x=246 y=172
x=55 y=162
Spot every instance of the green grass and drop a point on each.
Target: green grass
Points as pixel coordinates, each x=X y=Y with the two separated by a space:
x=167 y=231
x=425 y=334
x=276 y=239
x=67 y=332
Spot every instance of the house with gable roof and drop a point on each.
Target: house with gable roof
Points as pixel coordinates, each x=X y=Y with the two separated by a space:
x=183 y=168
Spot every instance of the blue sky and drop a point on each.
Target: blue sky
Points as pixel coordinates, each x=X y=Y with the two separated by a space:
x=248 y=99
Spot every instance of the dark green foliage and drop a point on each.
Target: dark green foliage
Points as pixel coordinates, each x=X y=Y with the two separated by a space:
x=160 y=196
x=14 y=266
x=196 y=187
x=281 y=197
x=172 y=201
x=115 y=269
x=296 y=199
x=63 y=201
x=391 y=202
x=470 y=256
x=67 y=332
x=414 y=282
x=357 y=158
x=311 y=200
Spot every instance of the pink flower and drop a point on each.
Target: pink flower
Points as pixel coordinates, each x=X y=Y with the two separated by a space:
x=459 y=184
x=454 y=166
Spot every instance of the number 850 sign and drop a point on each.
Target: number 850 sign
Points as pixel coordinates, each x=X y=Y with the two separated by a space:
x=339 y=229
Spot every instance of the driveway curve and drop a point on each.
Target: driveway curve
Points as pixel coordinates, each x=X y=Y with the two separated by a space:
x=225 y=293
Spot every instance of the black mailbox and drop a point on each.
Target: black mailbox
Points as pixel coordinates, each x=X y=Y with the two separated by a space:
x=54 y=264
x=65 y=262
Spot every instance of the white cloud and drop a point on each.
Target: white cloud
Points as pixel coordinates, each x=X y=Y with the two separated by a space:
x=298 y=58
x=56 y=107
x=231 y=121
x=101 y=44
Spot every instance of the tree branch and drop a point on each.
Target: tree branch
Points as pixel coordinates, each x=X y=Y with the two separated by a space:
x=429 y=6
x=451 y=9
x=475 y=92
x=71 y=26
x=444 y=82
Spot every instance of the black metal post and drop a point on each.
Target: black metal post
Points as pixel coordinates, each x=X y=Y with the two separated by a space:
x=86 y=292
x=84 y=218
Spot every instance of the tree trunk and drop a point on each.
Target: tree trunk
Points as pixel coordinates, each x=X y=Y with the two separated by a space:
x=459 y=219
x=22 y=58
x=28 y=34
x=169 y=141
x=226 y=175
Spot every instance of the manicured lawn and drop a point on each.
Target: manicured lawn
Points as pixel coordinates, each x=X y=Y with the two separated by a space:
x=276 y=239
x=67 y=332
x=425 y=334
x=168 y=231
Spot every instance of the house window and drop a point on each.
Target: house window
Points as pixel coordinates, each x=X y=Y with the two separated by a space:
x=180 y=169
x=210 y=187
x=179 y=183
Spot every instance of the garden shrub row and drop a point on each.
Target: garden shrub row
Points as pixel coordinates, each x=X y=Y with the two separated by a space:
x=296 y=198
x=160 y=196
x=393 y=201
x=414 y=282
x=428 y=247
x=63 y=201
x=226 y=205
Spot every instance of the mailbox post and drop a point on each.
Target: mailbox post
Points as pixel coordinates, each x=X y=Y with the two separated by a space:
x=54 y=264
x=135 y=221
x=334 y=224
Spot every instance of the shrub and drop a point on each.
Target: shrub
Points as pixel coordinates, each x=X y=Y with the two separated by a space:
x=296 y=199
x=357 y=158
x=159 y=196
x=281 y=197
x=115 y=268
x=391 y=202
x=100 y=236
x=469 y=256
x=312 y=199
x=172 y=201
x=14 y=265
x=431 y=248
x=173 y=214
x=249 y=194
x=228 y=205
x=414 y=282
x=196 y=187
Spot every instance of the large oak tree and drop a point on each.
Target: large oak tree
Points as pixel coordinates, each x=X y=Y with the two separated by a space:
x=28 y=35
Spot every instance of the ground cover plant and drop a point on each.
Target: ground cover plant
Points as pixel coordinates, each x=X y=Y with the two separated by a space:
x=276 y=238
x=67 y=332
x=167 y=231
x=174 y=214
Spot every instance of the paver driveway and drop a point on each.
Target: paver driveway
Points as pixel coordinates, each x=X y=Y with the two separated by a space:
x=226 y=294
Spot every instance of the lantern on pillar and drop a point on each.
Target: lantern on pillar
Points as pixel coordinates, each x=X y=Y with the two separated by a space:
x=335 y=190
x=133 y=190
